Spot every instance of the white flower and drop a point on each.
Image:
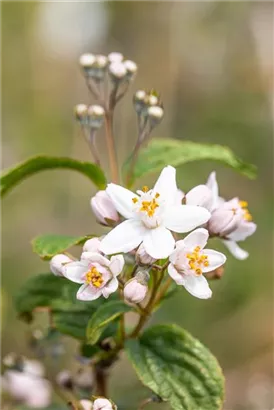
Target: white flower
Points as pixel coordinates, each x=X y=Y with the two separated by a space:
x=151 y=216
x=200 y=195
x=57 y=264
x=135 y=289
x=244 y=227
x=96 y=273
x=103 y=208
x=131 y=67
x=103 y=404
x=190 y=260
x=117 y=70
x=28 y=388
x=115 y=57
x=87 y=60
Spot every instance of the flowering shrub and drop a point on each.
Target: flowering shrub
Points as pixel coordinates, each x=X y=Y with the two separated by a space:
x=156 y=245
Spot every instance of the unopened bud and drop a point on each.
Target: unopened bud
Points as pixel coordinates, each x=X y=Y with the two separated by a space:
x=95 y=115
x=200 y=195
x=57 y=264
x=87 y=60
x=142 y=257
x=104 y=209
x=86 y=404
x=92 y=245
x=155 y=114
x=103 y=404
x=115 y=57
x=135 y=289
x=64 y=379
x=131 y=68
x=139 y=101
x=152 y=100
x=117 y=71
x=81 y=111
x=223 y=221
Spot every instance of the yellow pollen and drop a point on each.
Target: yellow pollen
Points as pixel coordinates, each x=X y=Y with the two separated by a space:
x=145 y=188
x=157 y=195
x=247 y=214
x=94 y=277
x=150 y=206
x=197 y=260
x=135 y=200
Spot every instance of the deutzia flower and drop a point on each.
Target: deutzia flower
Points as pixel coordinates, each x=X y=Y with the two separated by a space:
x=151 y=216
x=28 y=386
x=97 y=274
x=244 y=228
x=99 y=404
x=190 y=260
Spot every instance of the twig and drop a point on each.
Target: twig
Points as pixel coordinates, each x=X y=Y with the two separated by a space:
x=111 y=146
x=100 y=377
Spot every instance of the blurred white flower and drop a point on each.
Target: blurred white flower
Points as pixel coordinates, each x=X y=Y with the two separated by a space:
x=151 y=216
x=115 y=57
x=117 y=70
x=190 y=260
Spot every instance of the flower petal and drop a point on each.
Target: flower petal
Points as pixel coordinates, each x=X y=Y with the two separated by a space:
x=235 y=250
x=159 y=242
x=75 y=271
x=215 y=260
x=200 y=195
x=124 y=238
x=175 y=275
x=116 y=264
x=87 y=292
x=92 y=245
x=184 y=218
x=197 y=286
x=199 y=237
x=94 y=257
x=244 y=230
x=111 y=287
x=122 y=199
x=102 y=404
x=166 y=185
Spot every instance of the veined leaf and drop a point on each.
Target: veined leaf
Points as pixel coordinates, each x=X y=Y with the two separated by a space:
x=102 y=317
x=160 y=152
x=15 y=175
x=46 y=246
x=178 y=368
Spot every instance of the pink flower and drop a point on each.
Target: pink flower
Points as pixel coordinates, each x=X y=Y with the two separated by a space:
x=104 y=209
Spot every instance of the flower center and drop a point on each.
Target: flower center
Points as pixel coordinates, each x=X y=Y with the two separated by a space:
x=93 y=277
x=197 y=260
x=149 y=204
x=247 y=215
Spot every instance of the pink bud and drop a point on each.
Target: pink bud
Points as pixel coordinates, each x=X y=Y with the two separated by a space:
x=142 y=257
x=200 y=195
x=136 y=289
x=104 y=209
x=92 y=245
x=103 y=404
x=223 y=221
x=58 y=263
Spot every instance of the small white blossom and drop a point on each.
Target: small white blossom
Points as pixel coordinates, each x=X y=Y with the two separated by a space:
x=57 y=264
x=87 y=60
x=131 y=67
x=92 y=245
x=96 y=273
x=151 y=216
x=135 y=289
x=155 y=112
x=104 y=209
x=190 y=260
x=28 y=386
x=115 y=57
x=81 y=111
x=95 y=114
x=117 y=70
x=152 y=100
x=101 y=61
x=244 y=227
x=103 y=404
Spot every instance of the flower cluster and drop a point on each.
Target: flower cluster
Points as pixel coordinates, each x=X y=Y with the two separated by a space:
x=149 y=223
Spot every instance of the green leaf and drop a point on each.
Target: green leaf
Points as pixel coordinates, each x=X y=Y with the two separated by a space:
x=15 y=175
x=38 y=291
x=46 y=246
x=178 y=368
x=160 y=152
x=102 y=317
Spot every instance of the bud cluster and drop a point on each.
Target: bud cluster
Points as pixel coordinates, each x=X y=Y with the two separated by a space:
x=90 y=116
x=148 y=105
x=118 y=68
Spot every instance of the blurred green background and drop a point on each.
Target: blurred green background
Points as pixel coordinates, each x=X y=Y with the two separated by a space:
x=212 y=62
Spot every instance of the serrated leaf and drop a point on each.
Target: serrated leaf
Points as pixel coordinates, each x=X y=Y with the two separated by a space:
x=104 y=315
x=15 y=175
x=162 y=152
x=178 y=368
x=46 y=246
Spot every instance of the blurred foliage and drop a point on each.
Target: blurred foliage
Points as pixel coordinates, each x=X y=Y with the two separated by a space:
x=213 y=64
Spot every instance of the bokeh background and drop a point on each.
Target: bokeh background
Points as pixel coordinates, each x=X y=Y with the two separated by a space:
x=212 y=62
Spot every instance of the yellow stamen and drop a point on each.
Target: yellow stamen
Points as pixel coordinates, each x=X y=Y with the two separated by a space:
x=247 y=214
x=196 y=260
x=94 y=277
x=134 y=200
x=145 y=188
